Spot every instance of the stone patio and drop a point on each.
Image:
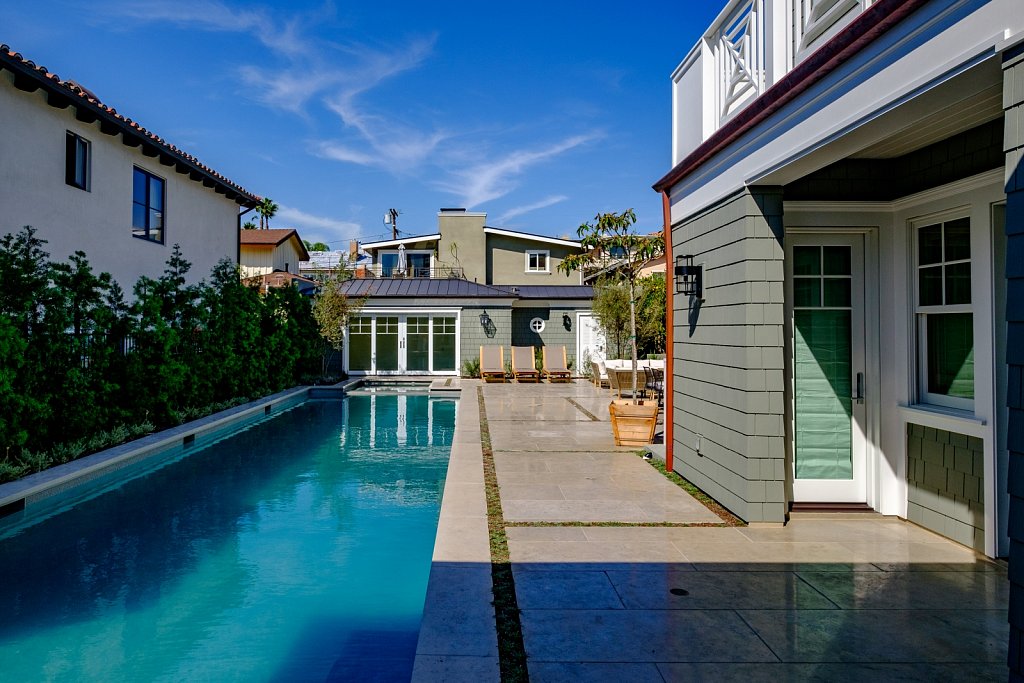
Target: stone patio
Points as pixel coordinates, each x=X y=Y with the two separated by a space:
x=827 y=597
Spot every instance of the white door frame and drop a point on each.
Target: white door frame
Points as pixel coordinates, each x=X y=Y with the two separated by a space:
x=403 y=314
x=866 y=420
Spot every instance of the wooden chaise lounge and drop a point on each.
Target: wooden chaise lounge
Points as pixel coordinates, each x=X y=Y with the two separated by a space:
x=556 y=369
x=492 y=363
x=523 y=365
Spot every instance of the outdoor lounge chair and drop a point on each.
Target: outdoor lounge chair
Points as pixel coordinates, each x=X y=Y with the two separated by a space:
x=492 y=363
x=523 y=368
x=556 y=369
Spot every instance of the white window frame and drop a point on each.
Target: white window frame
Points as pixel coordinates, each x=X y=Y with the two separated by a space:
x=547 y=260
x=537 y=325
x=920 y=313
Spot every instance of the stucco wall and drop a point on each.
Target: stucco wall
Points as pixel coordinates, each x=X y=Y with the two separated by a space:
x=99 y=222
x=466 y=231
x=506 y=262
x=728 y=389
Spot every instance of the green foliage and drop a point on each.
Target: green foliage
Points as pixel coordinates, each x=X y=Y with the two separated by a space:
x=471 y=368
x=611 y=306
x=316 y=246
x=266 y=209
x=80 y=370
x=613 y=233
x=650 y=314
x=331 y=311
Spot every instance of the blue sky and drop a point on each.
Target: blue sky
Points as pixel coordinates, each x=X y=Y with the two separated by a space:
x=540 y=114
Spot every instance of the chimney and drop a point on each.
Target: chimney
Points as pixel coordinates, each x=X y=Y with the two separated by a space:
x=353 y=250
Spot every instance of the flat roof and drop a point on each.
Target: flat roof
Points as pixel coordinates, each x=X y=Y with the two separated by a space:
x=401 y=240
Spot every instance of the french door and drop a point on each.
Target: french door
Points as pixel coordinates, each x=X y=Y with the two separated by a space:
x=827 y=367
x=403 y=343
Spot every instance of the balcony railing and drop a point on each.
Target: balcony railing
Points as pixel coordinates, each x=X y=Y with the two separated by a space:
x=437 y=272
x=750 y=46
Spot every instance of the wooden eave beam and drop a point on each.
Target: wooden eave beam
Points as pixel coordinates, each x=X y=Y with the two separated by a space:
x=57 y=100
x=85 y=114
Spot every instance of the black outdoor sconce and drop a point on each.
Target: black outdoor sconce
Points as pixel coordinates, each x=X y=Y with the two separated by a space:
x=689 y=278
x=566 y=321
x=485 y=320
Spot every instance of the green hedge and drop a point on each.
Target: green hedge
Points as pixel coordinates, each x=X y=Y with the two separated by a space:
x=77 y=362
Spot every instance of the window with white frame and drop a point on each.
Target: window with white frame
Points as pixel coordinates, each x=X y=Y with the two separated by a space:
x=945 y=318
x=538 y=261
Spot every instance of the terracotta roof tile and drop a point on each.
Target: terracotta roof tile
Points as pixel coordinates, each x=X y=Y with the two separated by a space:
x=15 y=62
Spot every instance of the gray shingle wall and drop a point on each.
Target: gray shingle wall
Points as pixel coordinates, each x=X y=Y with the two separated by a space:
x=945 y=484
x=474 y=336
x=1013 y=144
x=729 y=351
x=555 y=331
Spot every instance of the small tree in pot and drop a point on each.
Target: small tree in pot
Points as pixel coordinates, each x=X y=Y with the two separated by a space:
x=611 y=241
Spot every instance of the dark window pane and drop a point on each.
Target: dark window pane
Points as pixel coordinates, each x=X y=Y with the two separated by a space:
x=958 y=283
x=929 y=245
x=837 y=292
x=951 y=354
x=929 y=286
x=806 y=292
x=156 y=193
x=138 y=216
x=156 y=220
x=139 y=187
x=837 y=260
x=958 y=239
x=806 y=260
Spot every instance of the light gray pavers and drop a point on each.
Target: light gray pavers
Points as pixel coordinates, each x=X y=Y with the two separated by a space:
x=825 y=598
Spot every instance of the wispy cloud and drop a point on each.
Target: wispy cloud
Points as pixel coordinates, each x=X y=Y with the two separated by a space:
x=211 y=15
x=490 y=179
x=316 y=228
x=527 y=208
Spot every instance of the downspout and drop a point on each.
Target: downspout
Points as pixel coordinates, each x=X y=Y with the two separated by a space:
x=238 y=237
x=666 y=210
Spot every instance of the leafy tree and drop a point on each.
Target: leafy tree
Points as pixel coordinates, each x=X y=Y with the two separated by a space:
x=248 y=225
x=316 y=246
x=611 y=306
x=613 y=233
x=650 y=331
x=332 y=309
x=267 y=209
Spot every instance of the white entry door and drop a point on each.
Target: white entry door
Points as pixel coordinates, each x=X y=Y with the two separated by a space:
x=825 y=319
x=589 y=339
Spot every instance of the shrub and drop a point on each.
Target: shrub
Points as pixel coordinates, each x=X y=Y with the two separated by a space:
x=471 y=368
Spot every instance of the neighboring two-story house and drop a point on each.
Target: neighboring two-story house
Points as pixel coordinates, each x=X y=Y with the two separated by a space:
x=847 y=180
x=433 y=300
x=88 y=178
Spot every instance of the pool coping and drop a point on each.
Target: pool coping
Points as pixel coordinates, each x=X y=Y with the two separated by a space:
x=458 y=639
x=39 y=486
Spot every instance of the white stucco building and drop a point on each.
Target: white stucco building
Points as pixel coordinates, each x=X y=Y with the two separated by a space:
x=87 y=178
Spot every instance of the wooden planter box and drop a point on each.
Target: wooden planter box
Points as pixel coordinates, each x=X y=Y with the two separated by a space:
x=633 y=425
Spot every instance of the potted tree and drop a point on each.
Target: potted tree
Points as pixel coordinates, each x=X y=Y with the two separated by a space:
x=611 y=241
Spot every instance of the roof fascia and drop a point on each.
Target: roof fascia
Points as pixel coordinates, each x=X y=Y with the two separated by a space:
x=531 y=237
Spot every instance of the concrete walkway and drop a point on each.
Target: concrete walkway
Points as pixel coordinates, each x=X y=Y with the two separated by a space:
x=828 y=597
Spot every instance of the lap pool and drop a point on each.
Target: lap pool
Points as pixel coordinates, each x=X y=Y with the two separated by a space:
x=297 y=548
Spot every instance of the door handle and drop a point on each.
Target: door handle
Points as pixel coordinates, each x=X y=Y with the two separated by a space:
x=858 y=397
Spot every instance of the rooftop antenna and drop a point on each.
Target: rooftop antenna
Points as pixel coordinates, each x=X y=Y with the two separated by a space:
x=391 y=218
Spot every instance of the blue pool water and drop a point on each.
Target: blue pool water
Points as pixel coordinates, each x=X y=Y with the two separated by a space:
x=297 y=549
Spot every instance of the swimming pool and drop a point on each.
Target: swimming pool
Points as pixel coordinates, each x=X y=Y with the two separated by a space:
x=296 y=549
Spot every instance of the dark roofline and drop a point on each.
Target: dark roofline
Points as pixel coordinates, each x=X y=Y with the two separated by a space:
x=61 y=94
x=866 y=28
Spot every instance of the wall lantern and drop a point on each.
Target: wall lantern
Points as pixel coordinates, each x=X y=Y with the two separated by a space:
x=689 y=278
x=485 y=320
x=566 y=321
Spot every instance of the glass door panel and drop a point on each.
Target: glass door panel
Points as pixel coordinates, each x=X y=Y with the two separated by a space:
x=360 y=344
x=386 y=337
x=444 y=344
x=825 y=302
x=417 y=335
